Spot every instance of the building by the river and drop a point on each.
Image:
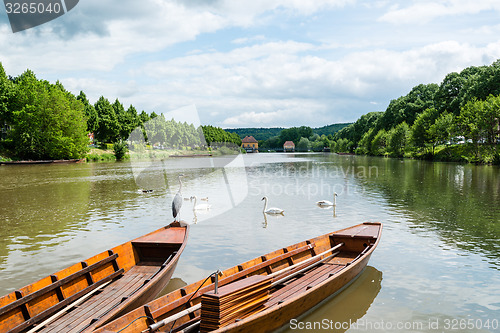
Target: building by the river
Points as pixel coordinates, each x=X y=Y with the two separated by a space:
x=250 y=144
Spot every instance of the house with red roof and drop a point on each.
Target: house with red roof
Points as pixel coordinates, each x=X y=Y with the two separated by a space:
x=250 y=144
x=288 y=146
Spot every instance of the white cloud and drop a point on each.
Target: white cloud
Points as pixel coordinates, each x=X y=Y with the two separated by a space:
x=270 y=83
x=154 y=54
x=424 y=11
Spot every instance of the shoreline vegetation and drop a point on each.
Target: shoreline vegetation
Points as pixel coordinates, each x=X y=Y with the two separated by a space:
x=456 y=121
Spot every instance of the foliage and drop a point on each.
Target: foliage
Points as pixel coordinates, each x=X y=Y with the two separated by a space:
x=260 y=134
x=90 y=113
x=379 y=143
x=108 y=129
x=47 y=121
x=330 y=129
x=465 y=107
x=120 y=149
x=295 y=134
x=397 y=139
x=217 y=134
x=304 y=144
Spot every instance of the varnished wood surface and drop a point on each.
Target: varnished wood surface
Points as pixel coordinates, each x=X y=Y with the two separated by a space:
x=287 y=300
x=134 y=278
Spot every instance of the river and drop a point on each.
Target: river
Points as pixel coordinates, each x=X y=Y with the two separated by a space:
x=437 y=267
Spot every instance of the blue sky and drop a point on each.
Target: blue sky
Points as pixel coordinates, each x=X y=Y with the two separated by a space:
x=256 y=63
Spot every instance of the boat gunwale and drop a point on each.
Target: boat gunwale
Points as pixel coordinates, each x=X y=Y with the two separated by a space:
x=362 y=261
x=112 y=252
x=158 y=304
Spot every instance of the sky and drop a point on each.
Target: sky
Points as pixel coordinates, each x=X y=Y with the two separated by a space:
x=259 y=63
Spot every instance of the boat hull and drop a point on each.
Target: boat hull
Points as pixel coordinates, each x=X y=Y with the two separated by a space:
x=91 y=293
x=303 y=275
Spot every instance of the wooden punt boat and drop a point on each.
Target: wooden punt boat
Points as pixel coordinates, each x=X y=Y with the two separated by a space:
x=262 y=294
x=90 y=293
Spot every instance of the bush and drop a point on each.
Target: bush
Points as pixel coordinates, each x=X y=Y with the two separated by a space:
x=120 y=149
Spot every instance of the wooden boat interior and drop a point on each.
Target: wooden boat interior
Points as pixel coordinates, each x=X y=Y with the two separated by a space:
x=98 y=284
x=294 y=270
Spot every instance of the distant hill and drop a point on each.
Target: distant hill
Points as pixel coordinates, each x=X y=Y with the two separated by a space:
x=257 y=133
x=330 y=129
x=266 y=133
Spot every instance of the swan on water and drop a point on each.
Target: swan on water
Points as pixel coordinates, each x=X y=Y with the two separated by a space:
x=324 y=203
x=272 y=210
x=199 y=206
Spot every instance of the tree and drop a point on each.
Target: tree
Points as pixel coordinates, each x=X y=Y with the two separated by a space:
x=90 y=113
x=398 y=139
x=379 y=143
x=488 y=120
x=108 y=129
x=420 y=135
x=364 y=145
x=47 y=121
x=304 y=144
x=442 y=129
x=468 y=122
x=6 y=94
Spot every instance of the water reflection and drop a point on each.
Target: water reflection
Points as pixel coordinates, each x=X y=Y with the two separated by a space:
x=460 y=202
x=345 y=308
x=40 y=201
x=439 y=251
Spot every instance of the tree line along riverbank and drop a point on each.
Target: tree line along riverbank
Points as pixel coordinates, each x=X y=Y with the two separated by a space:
x=40 y=120
x=457 y=120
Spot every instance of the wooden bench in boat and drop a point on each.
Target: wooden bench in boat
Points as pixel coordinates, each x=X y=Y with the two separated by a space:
x=56 y=289
x=153 y=246
x=305 y=281
x=99 y=305
x=239 y=275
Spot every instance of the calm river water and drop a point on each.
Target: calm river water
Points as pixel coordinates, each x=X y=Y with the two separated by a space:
x=437 y=267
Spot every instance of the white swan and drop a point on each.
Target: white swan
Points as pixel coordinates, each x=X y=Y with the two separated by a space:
x=325 y=203
x=200 y=206
x=272 y=210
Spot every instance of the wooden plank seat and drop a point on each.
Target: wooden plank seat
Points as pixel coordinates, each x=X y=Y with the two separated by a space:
x=173 y=236
x=367 y=231
x=307 y=280
x=57 y=287
x=99 y=304
x=244 y=272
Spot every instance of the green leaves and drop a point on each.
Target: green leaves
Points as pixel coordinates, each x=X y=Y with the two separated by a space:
x=47 y=122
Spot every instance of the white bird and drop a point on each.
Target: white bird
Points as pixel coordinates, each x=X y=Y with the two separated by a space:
x=272 y=210
x=200 y=206
x=326 y=203
x=177 y=202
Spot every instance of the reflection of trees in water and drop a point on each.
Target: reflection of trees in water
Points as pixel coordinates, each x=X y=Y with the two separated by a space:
x=460 y=202
x=349 y=305
x=39 y=202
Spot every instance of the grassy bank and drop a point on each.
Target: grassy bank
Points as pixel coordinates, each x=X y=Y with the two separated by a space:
x=464 y=153
x=107 y=155
x=461 y=153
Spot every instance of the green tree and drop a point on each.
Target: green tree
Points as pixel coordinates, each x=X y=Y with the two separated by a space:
x=442 y=129
x=47 y=121
x=6 y=94
x=90 y=113
x=420 y=135
x=109 y=128
x=120 y=149
x=379 y=143
x=488 y=119
x=304 y=144
x=398 y=139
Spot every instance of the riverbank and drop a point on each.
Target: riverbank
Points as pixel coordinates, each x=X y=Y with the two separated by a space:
x=107 y=155
x=460 y=153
